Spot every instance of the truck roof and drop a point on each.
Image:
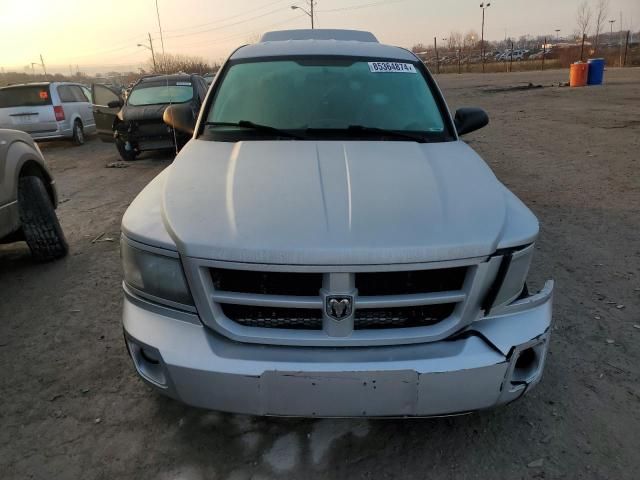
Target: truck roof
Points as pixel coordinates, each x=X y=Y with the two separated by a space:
x=351 y=43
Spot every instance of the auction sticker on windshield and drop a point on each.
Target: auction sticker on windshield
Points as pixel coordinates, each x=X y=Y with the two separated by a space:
x=391 y=67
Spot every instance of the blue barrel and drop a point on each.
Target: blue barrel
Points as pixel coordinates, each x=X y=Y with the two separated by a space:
x=596 y=71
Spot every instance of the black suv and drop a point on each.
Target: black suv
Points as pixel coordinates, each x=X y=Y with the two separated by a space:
x=135 y=124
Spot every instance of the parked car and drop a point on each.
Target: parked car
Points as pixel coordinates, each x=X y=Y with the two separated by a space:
x=327 y=245
x=135 y=124
x=48 y=110
x=539 y=55
x=519 y=55
x=28 y=197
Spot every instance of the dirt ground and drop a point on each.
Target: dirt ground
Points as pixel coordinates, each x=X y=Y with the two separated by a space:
x=73 y=408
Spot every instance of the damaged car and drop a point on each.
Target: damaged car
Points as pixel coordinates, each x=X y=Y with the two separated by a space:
x=135 y=124
x=326 y=245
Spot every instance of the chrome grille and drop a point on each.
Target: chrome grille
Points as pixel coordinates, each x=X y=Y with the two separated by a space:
x=295 y=305
x=293 y=300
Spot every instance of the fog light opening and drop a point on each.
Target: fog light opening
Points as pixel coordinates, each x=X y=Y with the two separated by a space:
x=148 y=363
x=526 y=359
x=149 y=357
x=526 y=366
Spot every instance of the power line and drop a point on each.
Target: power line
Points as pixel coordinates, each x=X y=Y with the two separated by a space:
x=221 y=20
x=243 y=34
x=363 y=5
x=271 y=12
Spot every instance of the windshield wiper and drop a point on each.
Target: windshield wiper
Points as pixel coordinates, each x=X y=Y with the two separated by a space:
x=385 y=132
x=257 y=127
x=368 y=131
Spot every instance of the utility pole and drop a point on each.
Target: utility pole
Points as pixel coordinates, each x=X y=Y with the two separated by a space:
x=620 y=36
x=611 y=22
x=153 y=55
x=483 y=7
x=511 y=58
x=160 y=27
x=43 y=67
x=310 y=13
x=544 y=52
x=626 y=49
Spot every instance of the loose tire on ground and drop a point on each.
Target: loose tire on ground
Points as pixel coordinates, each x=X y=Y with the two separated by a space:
x=40 y=225
x=78 y=133
x=127 y=155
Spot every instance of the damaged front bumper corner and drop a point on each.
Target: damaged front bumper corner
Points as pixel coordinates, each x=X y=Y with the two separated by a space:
x=492 y=362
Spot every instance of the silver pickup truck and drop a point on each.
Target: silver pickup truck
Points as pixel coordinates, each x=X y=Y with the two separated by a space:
x=326 y=245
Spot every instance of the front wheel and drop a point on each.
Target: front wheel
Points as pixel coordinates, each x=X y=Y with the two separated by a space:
x=127 y=155
x=78 y=133
x=38 y=219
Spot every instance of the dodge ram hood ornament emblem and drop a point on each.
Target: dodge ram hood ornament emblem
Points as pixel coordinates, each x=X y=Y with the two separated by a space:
x=339 y=307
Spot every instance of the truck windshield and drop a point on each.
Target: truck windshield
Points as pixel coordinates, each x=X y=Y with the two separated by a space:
x=161 y=92
x=327 y=96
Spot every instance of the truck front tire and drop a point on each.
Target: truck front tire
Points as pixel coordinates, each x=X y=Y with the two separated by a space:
x=38 y=219
x=127 y=155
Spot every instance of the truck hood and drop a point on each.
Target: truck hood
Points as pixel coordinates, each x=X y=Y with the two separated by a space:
x=334 y=203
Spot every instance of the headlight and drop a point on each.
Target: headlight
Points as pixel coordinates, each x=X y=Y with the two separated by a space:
x=158 y=276
x=510 y=279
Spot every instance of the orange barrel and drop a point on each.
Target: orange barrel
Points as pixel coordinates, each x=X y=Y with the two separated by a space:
x=578 y=74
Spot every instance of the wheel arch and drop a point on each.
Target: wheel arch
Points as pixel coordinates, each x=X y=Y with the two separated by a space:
x=75 y=117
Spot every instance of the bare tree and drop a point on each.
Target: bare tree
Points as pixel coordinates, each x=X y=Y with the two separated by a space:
x=174 y=63
x=583 y=18
x=602 y=12
x=418 y=48
x=454 y=41
x=470 y=39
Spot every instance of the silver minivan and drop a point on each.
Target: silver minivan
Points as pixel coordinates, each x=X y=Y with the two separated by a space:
x=48 y=110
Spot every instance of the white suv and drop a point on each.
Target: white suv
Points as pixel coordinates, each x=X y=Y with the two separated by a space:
x=48 y=110
x=326 y=245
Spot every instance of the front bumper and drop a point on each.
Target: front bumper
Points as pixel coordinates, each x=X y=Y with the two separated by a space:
x=494 y=361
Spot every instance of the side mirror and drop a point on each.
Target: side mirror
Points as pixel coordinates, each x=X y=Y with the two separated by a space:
x=180 y=117
x=114 y=104
x=469 y=120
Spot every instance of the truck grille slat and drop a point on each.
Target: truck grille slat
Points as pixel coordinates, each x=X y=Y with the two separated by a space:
x=268 y=317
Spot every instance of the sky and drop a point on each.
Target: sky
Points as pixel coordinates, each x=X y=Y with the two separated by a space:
x=103 y=35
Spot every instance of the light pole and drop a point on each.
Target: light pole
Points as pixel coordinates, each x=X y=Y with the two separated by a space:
x=611 y=22
x=483 y=7
x=153 y=55
x=310 y=14
x=557 y=35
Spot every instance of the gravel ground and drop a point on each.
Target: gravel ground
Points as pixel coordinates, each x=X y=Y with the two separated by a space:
x=73 y=408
